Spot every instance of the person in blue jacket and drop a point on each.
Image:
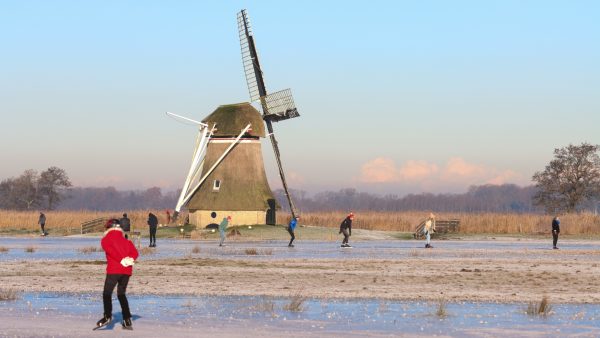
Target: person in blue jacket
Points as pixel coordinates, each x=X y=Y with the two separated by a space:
x=290 y=229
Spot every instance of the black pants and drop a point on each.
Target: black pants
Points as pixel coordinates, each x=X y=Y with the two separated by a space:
x=291 y=234
x=42 y=225
x=346 y=236
x=109 y=285
x=554 y=238
x=153 y=234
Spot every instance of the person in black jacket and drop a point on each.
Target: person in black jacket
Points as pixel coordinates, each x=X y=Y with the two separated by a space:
x=152 y=223
x=346 y=229
x=125 y=225
x=555 y=231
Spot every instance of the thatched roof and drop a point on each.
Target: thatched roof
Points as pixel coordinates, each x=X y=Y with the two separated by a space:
x=232 y=118
x=244 y=183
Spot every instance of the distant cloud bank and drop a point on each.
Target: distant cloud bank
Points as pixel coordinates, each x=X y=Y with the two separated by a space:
x=457 y=172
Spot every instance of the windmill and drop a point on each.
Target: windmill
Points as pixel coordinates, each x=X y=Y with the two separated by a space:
x=277 y=106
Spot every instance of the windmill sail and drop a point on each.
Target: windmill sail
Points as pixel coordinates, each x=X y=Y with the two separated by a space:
x=276 y=107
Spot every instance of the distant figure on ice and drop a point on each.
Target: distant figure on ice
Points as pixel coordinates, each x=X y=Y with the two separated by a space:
x=428 y=229
x=222 y=227
x=120 y=257
x=125 y=225
x=42 y=223
x=346 y=229
x=152 y=225
x=555 y=231
x=290 y=229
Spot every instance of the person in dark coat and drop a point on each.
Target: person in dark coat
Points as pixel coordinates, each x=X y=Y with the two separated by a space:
x=42 y=223
x=346 y=229
x=120 y=257
x=125 y=225
x=290 y=229
x=555 y=231
x=153 y=224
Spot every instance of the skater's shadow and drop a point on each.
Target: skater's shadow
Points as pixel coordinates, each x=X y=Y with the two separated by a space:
x=117 y=319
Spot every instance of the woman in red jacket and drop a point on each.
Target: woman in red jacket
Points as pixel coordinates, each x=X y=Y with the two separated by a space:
x=120 y=257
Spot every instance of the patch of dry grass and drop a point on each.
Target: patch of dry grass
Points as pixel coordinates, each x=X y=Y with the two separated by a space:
x=89 y=249
x=196 y=249
x=541 y=309
x=9 y=294
x=30 y=249
x=254 y=252
x=441 y=310
x=471 y=223
x=3 y=249
x=296 y=303
x=145 y=251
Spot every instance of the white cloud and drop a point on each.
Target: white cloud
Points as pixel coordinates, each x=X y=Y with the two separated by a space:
x=456 y=173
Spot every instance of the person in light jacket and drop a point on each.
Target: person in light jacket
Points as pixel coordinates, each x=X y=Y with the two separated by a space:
x=428 y=229
x=222 y=227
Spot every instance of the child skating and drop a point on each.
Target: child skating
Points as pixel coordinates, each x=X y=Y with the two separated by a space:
x=222 y=228
x=120 y=257
x=428 y=229
x=291 y=228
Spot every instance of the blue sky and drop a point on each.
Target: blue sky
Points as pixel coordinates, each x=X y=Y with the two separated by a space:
x=394 y=96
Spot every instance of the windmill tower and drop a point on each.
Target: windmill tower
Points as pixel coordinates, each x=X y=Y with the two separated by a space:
x=227 y=175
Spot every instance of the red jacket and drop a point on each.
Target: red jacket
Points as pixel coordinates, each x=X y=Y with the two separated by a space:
x=117 y=247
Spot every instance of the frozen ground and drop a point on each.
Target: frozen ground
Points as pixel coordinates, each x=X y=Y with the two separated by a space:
x=48 y=314
x=69 y=248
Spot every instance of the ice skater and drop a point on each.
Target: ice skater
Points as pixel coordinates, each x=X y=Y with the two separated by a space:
x=120 y=257
x=125 y=223
x=555 y=231
x=290 y=229
x=42 y=223
x=346 y=229
x=222 y=228
x=152 y=225
x=428 y=229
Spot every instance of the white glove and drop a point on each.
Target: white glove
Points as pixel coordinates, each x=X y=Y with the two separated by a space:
x=127 y=261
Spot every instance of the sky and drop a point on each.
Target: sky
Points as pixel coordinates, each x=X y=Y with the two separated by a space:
x=394 y=96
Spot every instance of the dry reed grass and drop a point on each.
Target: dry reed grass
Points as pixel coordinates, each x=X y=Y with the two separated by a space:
x=89 y=249
x=470 y=223
x=9 y=294
x=3 y=249
x=441 y=311
x=68 y=222
x=145 y=251
x=196 y=250
x=542 y=309
x=296 y=303
x=30 y=249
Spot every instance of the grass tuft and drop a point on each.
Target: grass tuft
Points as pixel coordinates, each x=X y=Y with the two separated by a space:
x=441 y=311
x=541 y=309
x=9 y=294
x=296 y=303
x=30 y=249
x=147 y=251
x=89 y=249
x=3 y=249
x=196 y=250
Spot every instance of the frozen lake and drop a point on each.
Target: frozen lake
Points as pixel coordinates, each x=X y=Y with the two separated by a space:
x=320 y=317
x=70 y=248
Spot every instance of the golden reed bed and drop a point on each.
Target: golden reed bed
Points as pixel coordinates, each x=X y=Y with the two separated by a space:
x=493 y=223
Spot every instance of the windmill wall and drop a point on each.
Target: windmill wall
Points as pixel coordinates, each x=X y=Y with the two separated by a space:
x=243 y=191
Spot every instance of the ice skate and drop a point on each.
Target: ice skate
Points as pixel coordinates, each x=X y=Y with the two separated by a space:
x=127 y=324
x=103 y=322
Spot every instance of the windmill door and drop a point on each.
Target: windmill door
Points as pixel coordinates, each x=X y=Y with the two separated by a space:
x=271 y=217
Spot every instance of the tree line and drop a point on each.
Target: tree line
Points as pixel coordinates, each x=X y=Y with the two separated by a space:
x=569 y=183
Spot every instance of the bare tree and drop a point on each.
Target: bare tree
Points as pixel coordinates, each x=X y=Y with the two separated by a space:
x=52 y=183
x=571 y=178
x=20 y=193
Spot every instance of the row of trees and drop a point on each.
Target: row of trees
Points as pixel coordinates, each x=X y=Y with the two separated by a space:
x=34 y=190
x=570 y=182
x=486 y=198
